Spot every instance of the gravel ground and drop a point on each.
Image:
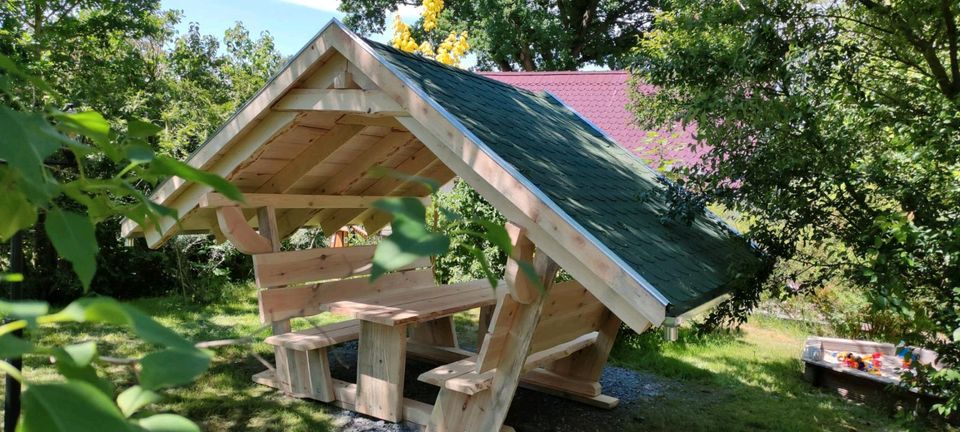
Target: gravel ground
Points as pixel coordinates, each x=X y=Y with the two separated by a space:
x=530 y=411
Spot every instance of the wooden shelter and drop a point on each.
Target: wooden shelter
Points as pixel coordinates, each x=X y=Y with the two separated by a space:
x=301 y=150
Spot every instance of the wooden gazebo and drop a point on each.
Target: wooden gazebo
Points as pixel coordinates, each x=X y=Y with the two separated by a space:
x=301 y=151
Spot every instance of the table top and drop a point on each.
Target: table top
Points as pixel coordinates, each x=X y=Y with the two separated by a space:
x=419 y=305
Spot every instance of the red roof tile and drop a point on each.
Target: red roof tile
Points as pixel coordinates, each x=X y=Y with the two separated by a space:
x=602 y=98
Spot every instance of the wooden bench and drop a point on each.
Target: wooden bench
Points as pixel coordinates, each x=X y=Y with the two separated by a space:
x=569 y=347
x=336 y=280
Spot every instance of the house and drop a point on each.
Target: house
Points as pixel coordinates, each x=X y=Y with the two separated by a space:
x=602 y=98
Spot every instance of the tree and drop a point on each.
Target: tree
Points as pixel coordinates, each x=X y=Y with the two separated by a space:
x=835 y=126
x=527 y=35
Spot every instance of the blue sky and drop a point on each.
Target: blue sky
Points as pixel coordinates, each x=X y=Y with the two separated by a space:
x=291 y=22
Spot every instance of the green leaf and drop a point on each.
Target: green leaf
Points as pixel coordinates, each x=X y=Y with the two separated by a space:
x=141 y=129
x=531 y=273
x=139 y=153
x=172 y=367
x=16 y=212
x=73 y=237
x=90 y=124
x=23 y=309
x=70 y=407
x=26 y=142
x=410 y=239
x=497 y=234
x=75 y=362
x=11 y=277
x=164 y=165
x=12 y=346
x=168 y=423
x=132 y=399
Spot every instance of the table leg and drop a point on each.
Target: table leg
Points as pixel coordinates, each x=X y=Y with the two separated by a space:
x=381 y=359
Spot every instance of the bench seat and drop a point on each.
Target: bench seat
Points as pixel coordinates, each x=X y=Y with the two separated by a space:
x=318 y=337
x=462 y=376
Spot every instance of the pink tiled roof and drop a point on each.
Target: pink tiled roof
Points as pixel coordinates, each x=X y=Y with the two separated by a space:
x=602 y=98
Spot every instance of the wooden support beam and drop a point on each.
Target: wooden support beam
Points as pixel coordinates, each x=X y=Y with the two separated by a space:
x=380 y=367
x=523 y=290
x=486 y=410
x=267 y=226
x=513 y=357
x=235 y=228
x=292 y=201
x=369 y=102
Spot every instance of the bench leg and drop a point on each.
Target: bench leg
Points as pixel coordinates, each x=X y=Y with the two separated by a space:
x=284 y=363
x=381 y=359
x=439 y=332
x=310 y=374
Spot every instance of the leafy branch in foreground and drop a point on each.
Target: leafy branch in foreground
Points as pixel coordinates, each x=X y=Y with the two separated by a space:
x=45 y=161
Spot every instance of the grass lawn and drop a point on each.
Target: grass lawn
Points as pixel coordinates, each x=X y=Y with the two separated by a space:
x=744 y=381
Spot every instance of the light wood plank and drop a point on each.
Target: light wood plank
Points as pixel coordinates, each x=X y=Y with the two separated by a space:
x=292 y=201
x=380 y=365
x=523 y=290
x=368 y=102
x=293 y=267
x=267 y=226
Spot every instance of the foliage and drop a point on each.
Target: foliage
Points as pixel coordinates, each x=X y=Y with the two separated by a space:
x=835 y=126
x=448 y=52
x=74 y=202
x=511 y=35
x=461 y=263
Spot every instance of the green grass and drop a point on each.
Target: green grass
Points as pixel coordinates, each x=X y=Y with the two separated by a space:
x=744 y=381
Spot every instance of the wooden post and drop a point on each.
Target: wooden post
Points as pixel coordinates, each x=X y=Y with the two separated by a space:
x=514 y=325
x=381 y=358
x=483 y=324
x=522 y=289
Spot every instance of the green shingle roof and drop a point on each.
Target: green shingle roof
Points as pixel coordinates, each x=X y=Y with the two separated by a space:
x=588 y=176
